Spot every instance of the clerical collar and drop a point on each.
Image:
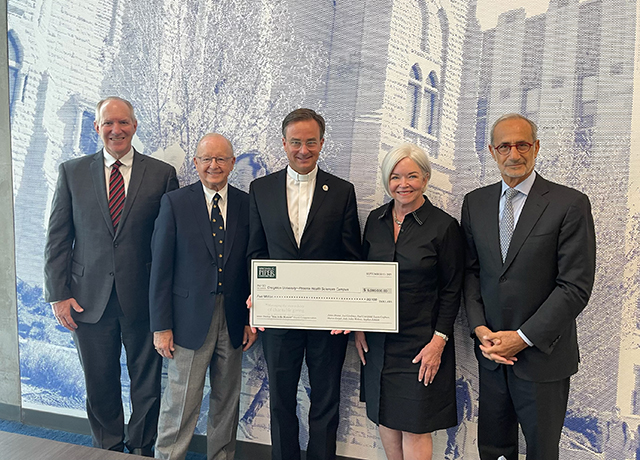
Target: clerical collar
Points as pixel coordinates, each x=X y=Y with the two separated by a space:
x=302 y=177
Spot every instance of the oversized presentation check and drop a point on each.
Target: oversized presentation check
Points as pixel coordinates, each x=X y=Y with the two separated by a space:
x=305 y=294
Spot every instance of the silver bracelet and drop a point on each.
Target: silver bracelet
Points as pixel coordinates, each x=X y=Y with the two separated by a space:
x=441 y=335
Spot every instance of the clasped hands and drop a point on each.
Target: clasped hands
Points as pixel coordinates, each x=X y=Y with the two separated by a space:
x=501 y=346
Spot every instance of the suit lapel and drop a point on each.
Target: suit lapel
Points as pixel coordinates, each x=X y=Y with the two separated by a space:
x=233 y=211
x=491 y=217
x=533 y=208
x=137 y=173
x=100 y=188
x=201 y=214
x=280 y=200
x=319 y=194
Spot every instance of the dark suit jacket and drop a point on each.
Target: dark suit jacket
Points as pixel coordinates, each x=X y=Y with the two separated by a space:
x=332 y=231
x=83 y=256
x=546 y=279
x=184 y=274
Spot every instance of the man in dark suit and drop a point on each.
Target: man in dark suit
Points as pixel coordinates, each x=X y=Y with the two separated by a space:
x=302 y=212
x=199 y=285
x=97 y=259
x=530 y=267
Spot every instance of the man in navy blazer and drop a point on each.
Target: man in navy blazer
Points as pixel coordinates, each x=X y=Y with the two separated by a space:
x=199 y=285
x=530 y=268
x=97 y=274
x=302 y=212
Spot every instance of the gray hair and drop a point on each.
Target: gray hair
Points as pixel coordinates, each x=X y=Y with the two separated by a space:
x=511 y=116
x=114 y=98
x=406 y=150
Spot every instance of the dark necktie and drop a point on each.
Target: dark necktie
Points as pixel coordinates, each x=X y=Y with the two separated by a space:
x=507 y=222
x=116 y=194
x=217 y=229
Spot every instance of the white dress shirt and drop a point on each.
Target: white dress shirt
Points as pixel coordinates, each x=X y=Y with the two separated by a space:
x=518 y=202
x=125 y=169
x=300 y=188
x=520 y=199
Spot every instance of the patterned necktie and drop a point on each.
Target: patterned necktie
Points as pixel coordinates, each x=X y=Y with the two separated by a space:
x=116 y=194
x=507 y=222
x=217 y=229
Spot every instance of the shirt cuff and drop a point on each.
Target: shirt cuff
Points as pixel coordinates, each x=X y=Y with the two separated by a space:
x=524 y=337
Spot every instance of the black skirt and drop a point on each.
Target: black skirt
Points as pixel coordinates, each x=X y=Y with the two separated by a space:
x=393 y=395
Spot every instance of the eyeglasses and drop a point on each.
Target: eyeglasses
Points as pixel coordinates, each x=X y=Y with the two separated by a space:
x=505 y=149
x=219 y=160
x=311 y=145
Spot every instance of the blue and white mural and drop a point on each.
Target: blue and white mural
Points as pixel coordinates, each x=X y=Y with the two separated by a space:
x=434 y=72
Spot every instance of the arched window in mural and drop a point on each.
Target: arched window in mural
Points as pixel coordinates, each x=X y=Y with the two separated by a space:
x=430 y=104
x=15 y=64
x=424 y=15
x=423 y=101
x=414 y=91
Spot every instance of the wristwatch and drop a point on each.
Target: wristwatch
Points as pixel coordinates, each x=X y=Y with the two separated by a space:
x=442 y=336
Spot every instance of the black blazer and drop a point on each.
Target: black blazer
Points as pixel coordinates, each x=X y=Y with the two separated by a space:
x=83 y=256
x=332 y=231
x=546 y=279
x=184 y=274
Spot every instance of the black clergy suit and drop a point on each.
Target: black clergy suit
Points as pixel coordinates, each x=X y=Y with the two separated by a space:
x=543 y=285
x=332 y=232
x=107 y=273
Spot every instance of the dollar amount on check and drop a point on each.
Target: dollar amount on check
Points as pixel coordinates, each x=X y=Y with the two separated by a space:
x=301 y=294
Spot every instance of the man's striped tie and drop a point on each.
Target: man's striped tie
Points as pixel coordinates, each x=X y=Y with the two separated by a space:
x=116 y=194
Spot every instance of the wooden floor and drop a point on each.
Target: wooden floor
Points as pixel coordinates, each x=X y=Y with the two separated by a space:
x=20 y=447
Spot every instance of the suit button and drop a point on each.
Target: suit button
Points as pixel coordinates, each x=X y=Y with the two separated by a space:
x=110 y=273
x=115 y=245
x=212 y=292
x=502 y=279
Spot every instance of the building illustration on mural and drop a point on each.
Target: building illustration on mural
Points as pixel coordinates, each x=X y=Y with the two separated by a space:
x=382 y=72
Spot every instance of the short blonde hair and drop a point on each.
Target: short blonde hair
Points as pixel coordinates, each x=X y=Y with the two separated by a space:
x=406 y=150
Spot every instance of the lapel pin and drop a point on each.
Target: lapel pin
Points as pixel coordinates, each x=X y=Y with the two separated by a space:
x=325 y=187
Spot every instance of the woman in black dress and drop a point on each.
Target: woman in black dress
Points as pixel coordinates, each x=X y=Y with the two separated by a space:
x=408 y=379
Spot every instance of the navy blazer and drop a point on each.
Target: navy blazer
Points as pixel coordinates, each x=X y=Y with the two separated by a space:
x=545 y=281
x=184 y=272
x=83 y=255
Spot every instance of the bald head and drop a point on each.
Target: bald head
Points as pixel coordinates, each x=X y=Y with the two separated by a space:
x=217 y=139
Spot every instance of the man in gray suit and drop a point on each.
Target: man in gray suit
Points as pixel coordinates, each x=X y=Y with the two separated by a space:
x=530 y=266
x=97 y=259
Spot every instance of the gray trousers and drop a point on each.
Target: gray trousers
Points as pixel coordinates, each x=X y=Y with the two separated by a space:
x=182 y=397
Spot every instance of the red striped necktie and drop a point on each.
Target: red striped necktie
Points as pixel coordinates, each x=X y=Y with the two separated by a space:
x=116 y=194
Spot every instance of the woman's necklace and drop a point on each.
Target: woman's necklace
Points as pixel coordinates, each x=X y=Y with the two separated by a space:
x=395 y=219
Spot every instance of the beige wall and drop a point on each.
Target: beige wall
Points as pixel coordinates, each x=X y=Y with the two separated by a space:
x=9 y=363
